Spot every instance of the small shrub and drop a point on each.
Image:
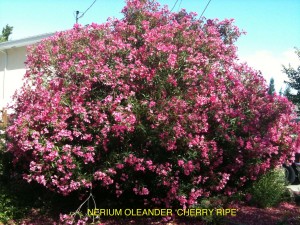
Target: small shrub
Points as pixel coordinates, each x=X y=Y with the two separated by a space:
x=10 y=207
x=7 y=206
x=269 y=190
x=211 y=203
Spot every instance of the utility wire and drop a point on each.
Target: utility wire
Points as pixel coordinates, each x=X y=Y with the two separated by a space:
x=77 y=12
x=179 y=5
x=205 y=8
x=88 y=9
x=174 y=5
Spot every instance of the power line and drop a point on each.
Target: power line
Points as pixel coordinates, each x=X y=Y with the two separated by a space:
x=77 y=12
x=88 y=9
x=179 y=5
x=205 y=8
x=174 y=5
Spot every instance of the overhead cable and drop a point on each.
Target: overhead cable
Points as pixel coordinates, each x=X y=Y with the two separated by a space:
x=205 y=8
x=77 y=12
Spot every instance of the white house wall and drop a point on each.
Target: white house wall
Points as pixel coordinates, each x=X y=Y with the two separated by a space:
x=12 y=75
x=12 y=69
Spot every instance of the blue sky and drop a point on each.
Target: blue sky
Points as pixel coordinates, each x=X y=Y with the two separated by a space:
x=272 y=26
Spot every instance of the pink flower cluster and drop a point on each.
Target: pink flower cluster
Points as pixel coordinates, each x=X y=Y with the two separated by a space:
x=67 y=219
x=155 y=104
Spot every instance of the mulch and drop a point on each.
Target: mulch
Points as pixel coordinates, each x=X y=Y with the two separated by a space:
x=285 y=213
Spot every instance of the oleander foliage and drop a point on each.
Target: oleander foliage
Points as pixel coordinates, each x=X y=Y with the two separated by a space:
x=155 y=105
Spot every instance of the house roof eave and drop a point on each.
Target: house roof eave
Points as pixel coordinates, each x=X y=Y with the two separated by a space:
x=24 y=41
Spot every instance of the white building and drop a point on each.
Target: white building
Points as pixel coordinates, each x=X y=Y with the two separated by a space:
x=12 y=67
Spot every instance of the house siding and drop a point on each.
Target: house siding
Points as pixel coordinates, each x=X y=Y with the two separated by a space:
x=11 y=77
x=12 y=65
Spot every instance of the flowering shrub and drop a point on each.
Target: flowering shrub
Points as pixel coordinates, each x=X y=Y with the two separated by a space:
x=155 y=105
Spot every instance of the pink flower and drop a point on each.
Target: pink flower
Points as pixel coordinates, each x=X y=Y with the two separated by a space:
x=144 y=191
x=172 y=60
x=180 y=162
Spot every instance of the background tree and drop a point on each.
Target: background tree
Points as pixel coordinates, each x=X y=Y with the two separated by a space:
x=287 y=92
x=280 y=92
x=293 y=83
x=271 y=90
x=6 y=32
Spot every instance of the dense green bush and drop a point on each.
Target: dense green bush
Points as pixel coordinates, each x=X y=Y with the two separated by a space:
x=269 y=189
x=8 y=201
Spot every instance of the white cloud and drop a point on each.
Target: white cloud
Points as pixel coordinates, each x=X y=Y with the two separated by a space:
x=270 y=64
